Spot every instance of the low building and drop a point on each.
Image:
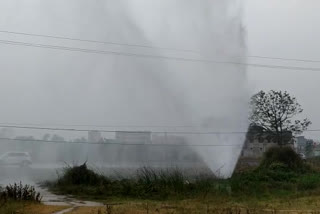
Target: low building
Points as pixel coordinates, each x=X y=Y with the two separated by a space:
x=258 y=142
x=173 y=149
x=300 y=144
x=316 y=151
x=306 y=146
x=133 y=146
x=256 y=147
x=94 y=136
x=143 y=137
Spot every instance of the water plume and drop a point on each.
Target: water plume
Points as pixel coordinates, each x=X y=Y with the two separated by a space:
x=178 y=95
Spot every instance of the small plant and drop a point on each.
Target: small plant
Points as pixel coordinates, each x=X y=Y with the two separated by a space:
x=19 y=192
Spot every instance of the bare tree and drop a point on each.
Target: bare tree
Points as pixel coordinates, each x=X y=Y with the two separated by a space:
x=275 y=113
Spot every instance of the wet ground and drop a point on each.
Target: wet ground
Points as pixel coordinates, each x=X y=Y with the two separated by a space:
x=37 y=173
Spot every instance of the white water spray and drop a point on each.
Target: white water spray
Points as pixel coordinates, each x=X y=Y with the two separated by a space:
x=133 y=90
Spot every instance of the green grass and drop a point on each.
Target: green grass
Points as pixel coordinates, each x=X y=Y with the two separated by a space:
x=281 y=174
x=148 y=183
x=167 y=184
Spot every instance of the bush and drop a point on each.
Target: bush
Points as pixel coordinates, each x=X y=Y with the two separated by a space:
x=283 y=158
x=80 y=175
x=281 y=170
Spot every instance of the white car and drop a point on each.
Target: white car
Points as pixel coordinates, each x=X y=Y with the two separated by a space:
x=302 y=156
x=16 y=158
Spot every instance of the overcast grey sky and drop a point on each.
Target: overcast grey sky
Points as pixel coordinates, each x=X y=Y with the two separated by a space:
x=60 y=87
x=286 y=28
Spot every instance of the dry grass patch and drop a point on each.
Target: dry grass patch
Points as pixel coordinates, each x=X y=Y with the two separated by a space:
x=41 y=209
x=88 y=210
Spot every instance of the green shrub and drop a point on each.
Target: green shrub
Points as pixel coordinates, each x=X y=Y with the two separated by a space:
x=80 y=175
x=309 y=182
x=281 y=171
x=283 y=158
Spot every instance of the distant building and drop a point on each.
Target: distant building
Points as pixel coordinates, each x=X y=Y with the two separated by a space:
x=143 y=137
x=306 y=146
x=7 y=133
x=175 y=149
x=300 y=144
x=256 y=147
x=316 y=151
x=94 y=136
x=258 y=142
x=168 y=139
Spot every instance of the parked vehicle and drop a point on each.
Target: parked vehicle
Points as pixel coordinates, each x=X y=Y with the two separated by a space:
x=16 y=158
x=303 y=156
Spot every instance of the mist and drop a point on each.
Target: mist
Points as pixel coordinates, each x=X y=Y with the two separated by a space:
x=55 y=88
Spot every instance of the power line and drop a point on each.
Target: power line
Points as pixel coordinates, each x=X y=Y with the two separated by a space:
x=148 y=46
x=113 y=131
x=102 y=126
x=285 y=59
x=131 y=131
x=103 y=52
x=96 y=41
x=119 y=143
x=93 y=51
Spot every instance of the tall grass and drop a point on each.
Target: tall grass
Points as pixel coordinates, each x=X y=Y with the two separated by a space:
x=282 y=172
x=19 y=192
x=13 y=197
x=146 y=183
x=161 y=182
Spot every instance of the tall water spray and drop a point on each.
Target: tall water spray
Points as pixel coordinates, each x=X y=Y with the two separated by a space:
x=209 y=97
x=138 y=90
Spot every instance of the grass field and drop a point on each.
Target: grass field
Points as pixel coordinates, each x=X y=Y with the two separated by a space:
x=310 y=204
x=15 y=207
x=283 y=183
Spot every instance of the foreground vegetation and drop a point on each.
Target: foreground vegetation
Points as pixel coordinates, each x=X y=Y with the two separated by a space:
x=281 y=174
x=147 y=183
x=282 y=182
x=16 y=197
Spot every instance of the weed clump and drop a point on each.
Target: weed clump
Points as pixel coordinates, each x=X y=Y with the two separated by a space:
x=19 y=192
x=283 y=158
x=80 y=175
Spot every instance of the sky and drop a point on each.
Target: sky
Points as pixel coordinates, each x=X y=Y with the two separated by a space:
x=286 y=28
x=42 y=86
